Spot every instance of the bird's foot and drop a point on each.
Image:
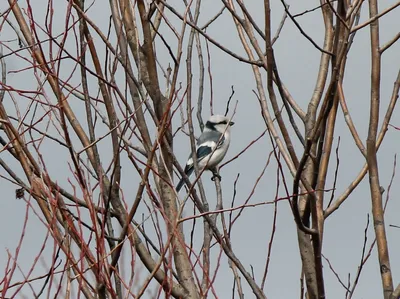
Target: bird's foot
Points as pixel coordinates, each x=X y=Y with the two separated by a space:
x=216 y=175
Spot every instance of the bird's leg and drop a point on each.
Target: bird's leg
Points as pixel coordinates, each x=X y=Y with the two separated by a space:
x=215 y=172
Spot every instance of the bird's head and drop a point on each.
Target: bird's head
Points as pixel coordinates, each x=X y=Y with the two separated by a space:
x=219 y=123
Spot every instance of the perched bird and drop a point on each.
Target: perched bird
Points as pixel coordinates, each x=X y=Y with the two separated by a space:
x=212 y=146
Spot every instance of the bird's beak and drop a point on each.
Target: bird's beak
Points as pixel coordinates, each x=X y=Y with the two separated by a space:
x=231 y=123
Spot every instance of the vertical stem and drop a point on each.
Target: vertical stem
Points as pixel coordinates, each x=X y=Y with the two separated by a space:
x=373 y=171
x=162 y=107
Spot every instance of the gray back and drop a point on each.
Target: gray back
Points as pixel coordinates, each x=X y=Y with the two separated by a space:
x=210 y=136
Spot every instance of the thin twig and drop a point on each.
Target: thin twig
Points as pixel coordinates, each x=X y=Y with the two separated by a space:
x=375 y=17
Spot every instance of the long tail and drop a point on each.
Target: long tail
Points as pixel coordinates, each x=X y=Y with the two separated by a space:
x=188 y=172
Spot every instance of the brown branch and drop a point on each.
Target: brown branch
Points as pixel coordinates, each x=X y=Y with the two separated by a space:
x=219 y=237
x=389 y=43
x=296 y=183
x=273 y=232
x=303 y=32
x=205 y=282
x=247 y=15
x=362 y=261
x=280 y=27
x=374 y=17
x=349 y=121
x=372 y=161
x=335 y=273
x=262 y=98
x=211 y=40
x=396 y=293
x=213 y=18
x=381 y=136
x=311 y=10
x=127 y=230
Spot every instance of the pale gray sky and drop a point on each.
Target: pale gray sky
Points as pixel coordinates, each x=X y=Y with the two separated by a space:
x=298 y=63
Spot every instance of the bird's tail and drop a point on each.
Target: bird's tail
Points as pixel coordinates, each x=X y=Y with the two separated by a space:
x=188 y=172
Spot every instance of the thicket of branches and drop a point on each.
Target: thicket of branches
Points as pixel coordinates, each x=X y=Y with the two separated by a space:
x=101 y=96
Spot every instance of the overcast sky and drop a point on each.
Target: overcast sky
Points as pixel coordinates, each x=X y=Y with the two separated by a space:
x=298 y=63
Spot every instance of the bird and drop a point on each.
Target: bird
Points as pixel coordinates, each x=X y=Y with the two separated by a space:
x=212 y=146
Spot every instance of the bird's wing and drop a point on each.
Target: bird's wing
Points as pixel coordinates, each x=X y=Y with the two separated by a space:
x=208 y=142
x=211 y=136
